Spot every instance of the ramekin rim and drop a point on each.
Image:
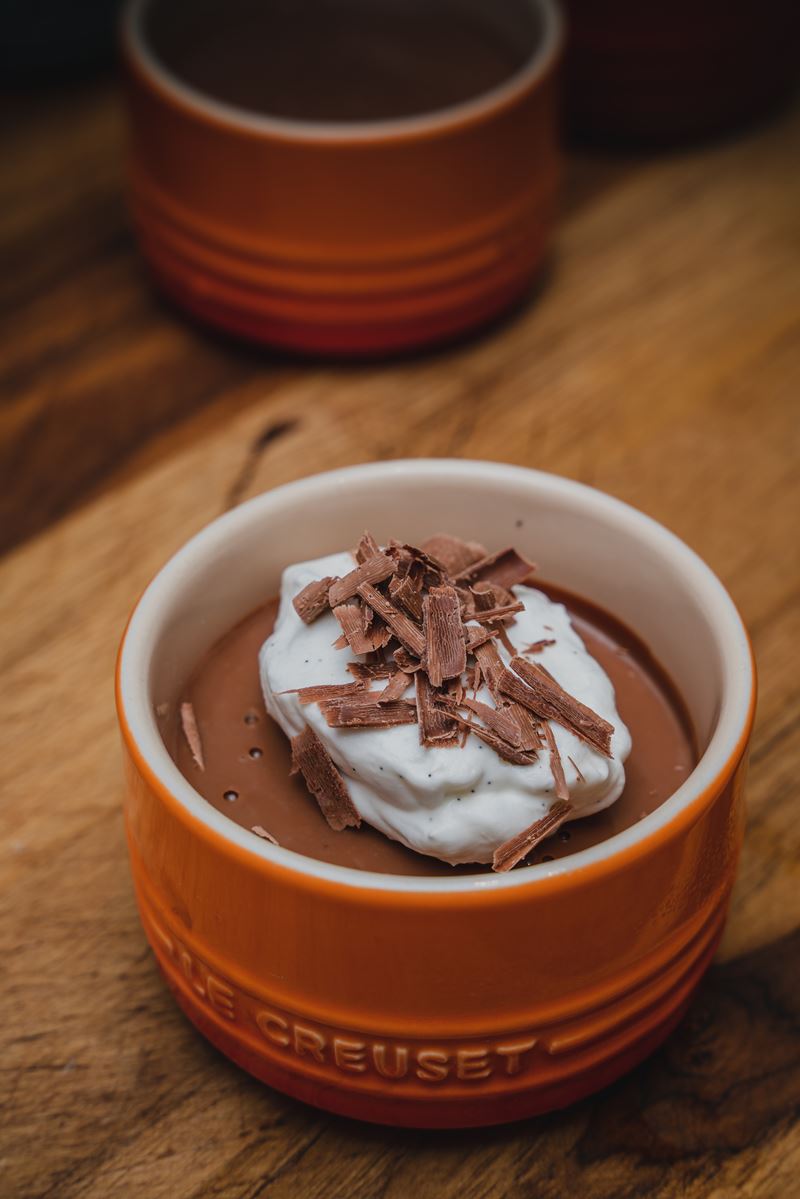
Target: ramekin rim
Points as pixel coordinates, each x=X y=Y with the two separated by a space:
x=715 y=766
x=454 y=116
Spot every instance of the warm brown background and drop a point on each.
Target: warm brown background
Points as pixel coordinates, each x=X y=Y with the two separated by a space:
x=661 y=362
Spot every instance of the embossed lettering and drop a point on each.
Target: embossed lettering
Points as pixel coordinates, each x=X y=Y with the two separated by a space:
x=432 y=1065
x=274 y=1027
x=513 y=1053
x=309 y=1040
x=399 y=1067
x=220 y=996
x=472 y=1063
x=349 y=1055
x=187 y=965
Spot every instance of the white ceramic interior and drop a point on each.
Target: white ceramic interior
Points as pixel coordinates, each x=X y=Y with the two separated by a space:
x=582 y=540
x=534 y=22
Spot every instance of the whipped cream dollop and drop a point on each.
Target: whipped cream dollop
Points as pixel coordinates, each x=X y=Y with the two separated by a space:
x=455 y=804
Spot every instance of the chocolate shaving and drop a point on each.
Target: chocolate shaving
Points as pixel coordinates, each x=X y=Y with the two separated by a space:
x=491 y=664
x=499 y=720
x=417 y=563
x=536 y=647
x=340 y=642
x=528 y=726
x=556 y=765
x=505 y=568
x=406 y=661
x=360 y=640
x=516 y=848
x=404 y=593
x=359 y=712
x=483 y=596
x=479 y=636
x=318 y=694
x=312 y=601
x=396 y=687
x=371 y=670
x=404 y=629
x=445 y=651
x=508 y=644
x=374 y=570
x=453 y=553
x=536 y=690
x=467 y=603
x=366 y=548
x=491 y=614
x=192 y=734
x=507 y=752
x=260 y=831
x=312 y=760
x=436 y=726
x=576 y=768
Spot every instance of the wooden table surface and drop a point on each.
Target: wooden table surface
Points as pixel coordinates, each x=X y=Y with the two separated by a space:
x=660 y=361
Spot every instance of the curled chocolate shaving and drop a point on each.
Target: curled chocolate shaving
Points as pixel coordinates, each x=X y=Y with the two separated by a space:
x=373 y=570
x=359 y=712
x=312 y=601
x=396 y=688
x=445 y=650
x=407 y=596
x=366 y=548
x=491 y=664
x=556 y=765
x=312 y=760
x=499 y=720
x=538 y=691
x=508 y=753
x=508 y=644
x=453 y=553
x=436 y=726
x=360 y=640
x=516 y=848
x=487 y=615
x=318 y=694
x=418 y=564
x=404 y=629
x=192 y=734
x=576 y=768
x=527 y=723
x=536 y=647
x=479 y=636
x=371 y=670
x=406 y=661
x=506 y=568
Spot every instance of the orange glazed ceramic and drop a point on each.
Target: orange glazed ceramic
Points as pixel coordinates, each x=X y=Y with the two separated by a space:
x=438 y=1002
x=346 y=236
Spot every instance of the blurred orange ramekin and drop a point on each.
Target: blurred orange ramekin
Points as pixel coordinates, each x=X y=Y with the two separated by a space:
x=353 y=238
x=438 y=1001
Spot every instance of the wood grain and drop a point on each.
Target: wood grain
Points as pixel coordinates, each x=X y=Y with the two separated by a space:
x=660 y=362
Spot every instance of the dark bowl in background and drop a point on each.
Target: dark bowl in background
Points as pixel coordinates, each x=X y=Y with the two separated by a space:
x=661 y=73
x=48 y=41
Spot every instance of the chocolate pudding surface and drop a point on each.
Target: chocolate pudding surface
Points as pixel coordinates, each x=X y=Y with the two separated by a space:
x=247 y=756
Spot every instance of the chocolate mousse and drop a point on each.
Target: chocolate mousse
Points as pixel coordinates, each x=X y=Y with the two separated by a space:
x=426 y=657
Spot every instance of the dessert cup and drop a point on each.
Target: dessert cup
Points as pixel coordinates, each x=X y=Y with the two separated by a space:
x=359 y=237
x=438 y=1002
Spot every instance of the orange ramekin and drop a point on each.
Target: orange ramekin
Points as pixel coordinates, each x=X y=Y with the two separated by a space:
x=354 y=238
x=438 y=1002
